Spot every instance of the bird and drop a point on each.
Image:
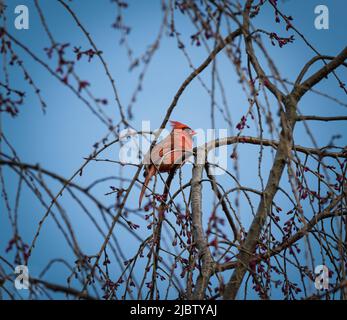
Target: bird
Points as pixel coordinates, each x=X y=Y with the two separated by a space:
x=167 y=153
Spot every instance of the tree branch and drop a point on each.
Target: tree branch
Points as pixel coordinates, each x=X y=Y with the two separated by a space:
x=301 y=89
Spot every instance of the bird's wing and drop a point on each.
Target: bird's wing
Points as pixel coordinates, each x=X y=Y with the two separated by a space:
x=159 y=151
x=169 y=150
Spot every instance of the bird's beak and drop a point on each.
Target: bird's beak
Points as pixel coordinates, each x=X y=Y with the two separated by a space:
x=193 y=133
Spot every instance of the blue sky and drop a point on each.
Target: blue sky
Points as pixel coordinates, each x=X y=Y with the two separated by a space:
x=59 y=139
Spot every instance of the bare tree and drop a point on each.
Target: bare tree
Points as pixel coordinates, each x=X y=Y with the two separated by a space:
x=187 y=248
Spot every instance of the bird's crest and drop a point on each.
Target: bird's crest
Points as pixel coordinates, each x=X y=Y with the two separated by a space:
x=178 y=125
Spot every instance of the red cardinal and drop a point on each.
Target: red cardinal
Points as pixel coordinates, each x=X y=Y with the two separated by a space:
x=166 y=153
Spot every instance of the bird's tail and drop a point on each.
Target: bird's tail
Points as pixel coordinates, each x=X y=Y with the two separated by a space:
x=150 y=173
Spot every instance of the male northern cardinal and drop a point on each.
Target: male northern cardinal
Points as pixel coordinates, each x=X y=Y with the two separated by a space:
x=166 y=154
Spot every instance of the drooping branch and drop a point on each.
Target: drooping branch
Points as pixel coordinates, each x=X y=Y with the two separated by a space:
x=300 y=89
x=99 y=54
x=59 y=288
x=309 y=64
